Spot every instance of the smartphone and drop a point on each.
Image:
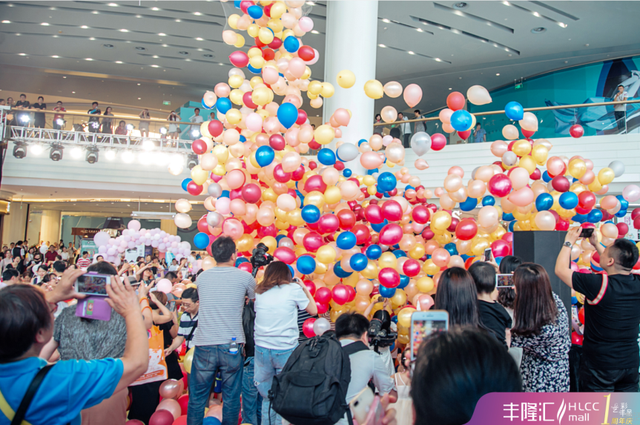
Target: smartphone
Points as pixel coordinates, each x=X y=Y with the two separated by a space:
x=423 y=324
x=586 y=232
x=366 y=408
x=504 y=281
x=487 y=254
x=93 y=284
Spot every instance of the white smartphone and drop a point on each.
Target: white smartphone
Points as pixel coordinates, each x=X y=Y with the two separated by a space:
x=423 y=324
x=366 y=408
x=487 y=254
x=504 y=281
x=93 y=284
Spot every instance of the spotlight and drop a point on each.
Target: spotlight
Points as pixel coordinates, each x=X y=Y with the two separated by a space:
x=128 y=157
x=148 y=145
x=110 y=155
x=192 y=160
x=129 y=127
x=92 y=154
x=56 y=152
x=95 y=124
x=24 y=118
x=36 y=149
x=176 y=164
x=195 y=133
x=163 y=130
x=76 y=153
x=60 y=121
x=20 y=150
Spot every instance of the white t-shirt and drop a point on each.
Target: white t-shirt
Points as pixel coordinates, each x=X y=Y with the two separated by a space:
x=64 y=256
x=276 y=325
x=43 y=249
x=620 y=97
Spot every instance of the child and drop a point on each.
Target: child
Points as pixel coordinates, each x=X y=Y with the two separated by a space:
x=492 y=315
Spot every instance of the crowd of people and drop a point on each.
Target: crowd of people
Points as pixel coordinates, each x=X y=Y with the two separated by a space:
x=245 y=337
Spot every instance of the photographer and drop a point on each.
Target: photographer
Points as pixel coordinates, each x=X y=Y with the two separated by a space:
x=381 y=338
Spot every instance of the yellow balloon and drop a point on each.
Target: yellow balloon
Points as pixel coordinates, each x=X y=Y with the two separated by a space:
x=270 y=242
x=265 y=35
x=324 y=134
x=440 y=221
x=326 y=254
x=417 y=251
x=539 y=154
x=253 y=30
x=374 y=89
x=606 y=176
x=429 y=268
x=425 y=284
x=188 y=359
x=233 y=116
x=235 y=81
x=239 y=41
x=577 y=168
x=387 y=259
x=371 y=271
x=398 y=299
x=257 y=62
x=236 y=97
x=595 y=185
x=521 y=147
x=277 y=10
x=528 y=164
x=261 y=96
x=404 y=316
x=346 y=79
x=332 y=195
x=222 y=153
x=314 y=88
x=233 y=21
x=198 y=175
x=327 y=90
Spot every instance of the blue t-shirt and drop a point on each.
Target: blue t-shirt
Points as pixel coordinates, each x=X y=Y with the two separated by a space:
x=69 y=387
x=479 y=135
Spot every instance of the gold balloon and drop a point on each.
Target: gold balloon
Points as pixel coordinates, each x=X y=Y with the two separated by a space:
x=373 y=89
x=346 y=79
x=404 y=316
x=425 y=284
x=188 y=359
x=606 y=176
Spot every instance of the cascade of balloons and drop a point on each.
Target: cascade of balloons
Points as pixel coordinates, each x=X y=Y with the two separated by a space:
x=353 y=237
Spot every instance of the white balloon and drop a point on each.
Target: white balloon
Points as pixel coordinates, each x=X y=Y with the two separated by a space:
x=617 y=167
x=320 y=326
x=509 y=158
x=214 y=219
x=348 y=152
x=478 y=95
x=421 y=143
x=214 y=190
x=181 y=220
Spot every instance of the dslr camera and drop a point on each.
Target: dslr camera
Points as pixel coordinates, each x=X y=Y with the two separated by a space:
x=379 y=333
x=260 y=257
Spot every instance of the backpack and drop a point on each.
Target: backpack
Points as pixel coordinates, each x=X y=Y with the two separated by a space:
x=312 y=387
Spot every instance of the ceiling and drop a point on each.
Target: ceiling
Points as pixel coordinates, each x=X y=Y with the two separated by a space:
x=146 y=52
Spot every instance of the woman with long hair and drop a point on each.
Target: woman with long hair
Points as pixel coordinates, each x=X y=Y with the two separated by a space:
x=278 y=300
x=506 y=296
x=106 y=122
x=145 y=118
x=457 y=295
x=541 y=328
x=378 y=129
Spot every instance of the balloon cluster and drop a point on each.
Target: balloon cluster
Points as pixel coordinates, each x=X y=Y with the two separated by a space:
x=111 y=248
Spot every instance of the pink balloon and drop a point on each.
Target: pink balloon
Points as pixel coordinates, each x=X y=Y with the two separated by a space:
x=297 y=67
x=284 y=254
x=371 y=160
x=390 y=234
x=222 y=89
x=172 y=406
x=342 y=116
x=236 y=178
x=253 y=122
x=222 y=205
x=269 y=75
x=412 y=95
x=445 y=115
x=233 y=228
x=305 y=23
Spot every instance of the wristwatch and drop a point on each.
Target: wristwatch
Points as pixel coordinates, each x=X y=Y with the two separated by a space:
x=567 y=244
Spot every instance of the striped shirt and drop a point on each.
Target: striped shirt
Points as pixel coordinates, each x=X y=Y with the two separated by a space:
x=83 y=263
x=221 y=291
x=187 y=328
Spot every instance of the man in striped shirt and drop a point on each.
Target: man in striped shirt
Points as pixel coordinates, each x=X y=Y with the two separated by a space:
x=83 y=262
x=221 y=292
x=188 y=321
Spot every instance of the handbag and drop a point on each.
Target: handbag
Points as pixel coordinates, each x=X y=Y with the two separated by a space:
x=157 y=370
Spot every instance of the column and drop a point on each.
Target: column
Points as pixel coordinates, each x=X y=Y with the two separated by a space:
x=169 y=226
x=351 y=43
x=15 y=223
x=50 y=226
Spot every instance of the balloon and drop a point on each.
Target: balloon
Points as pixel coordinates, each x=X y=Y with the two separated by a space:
x=461 y=120
x=393 y=89
x=373 y=89
x=576 y=131
x=347 y=152
x=306 y=264
x=568 y=200
x=631 y=192
x=101 y=238
x=478 y=95
x=617 y=167
x=346 y=79
x=389 y=278
x=514 y=111
x=455 y=101
x=307 y=327
x=320 y=326
x=169 y=389
x=412 y=95
x=346 y=240
x=545 y=220
x=264 y=156
x=390 y=234
x=499 y=185
x=386 y=182
x=529 y=122
x=287 y=114
x=161 y=417
x=438 y=142
x=188 y=359
x=389 y=114
x=171 y=406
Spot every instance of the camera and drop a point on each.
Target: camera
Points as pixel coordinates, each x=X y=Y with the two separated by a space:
x=379 y=332
x=260 y=257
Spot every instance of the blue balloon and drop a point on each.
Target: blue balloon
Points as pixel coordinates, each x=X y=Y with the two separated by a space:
x=386 y=182
x=544 y=202
x=514 y=111
x=254 y=11
x=378 y=227
x=469 y=204
x=291 y=44
x=621 y=213
x=358 y=262
x=546 y=177
x=404 y=281
x=223 y=105
x=254 y=70
x=624 y=204
x=373 y=252
x=512 y=225
x=326 y=156
x=236 y=3
x=279 y=237
x=306 y=264
x=386 y=292
x=498 y=260
x=346 y=240
x=241 y=260
x=347 y=172
x=225 y=194
x=293 y=272
x=580 y=218
x=265 y=155
x=287 y=114
x=488 y=200
x=185 y=182
x=201 y=240
x=398 y=252
x=339 y=271
x=242 y=138
x=310 y=214
x=461 y=120
x=451 y=247
x=568 y=200
x=594 y=216
x=507 y=217
x=210 y=420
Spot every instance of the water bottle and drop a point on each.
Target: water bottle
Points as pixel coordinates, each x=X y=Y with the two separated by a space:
x=233 y=347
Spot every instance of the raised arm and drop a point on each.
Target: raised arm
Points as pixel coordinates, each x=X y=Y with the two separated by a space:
x=563 y=268
x=312 y=308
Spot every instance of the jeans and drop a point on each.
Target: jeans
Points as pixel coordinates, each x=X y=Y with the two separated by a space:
x=620 y=119
x=269 y=363
x=251 y=400
x=207 y=361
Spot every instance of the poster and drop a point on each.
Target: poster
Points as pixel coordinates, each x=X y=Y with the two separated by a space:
x=88 y=245
x=131 y=255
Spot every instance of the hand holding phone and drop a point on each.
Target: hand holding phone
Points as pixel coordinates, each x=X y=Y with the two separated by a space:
x=586 y=232
x=366 y=408
x=93 y=284
x=504 y=281
x=423 y=324
x=487 y=254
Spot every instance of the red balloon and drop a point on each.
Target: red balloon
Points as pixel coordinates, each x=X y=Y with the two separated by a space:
x=251 y=193
x=427 y=234
x=527 y=133
x=453 y=225
x=310 y=286
x=438 y=142
x=389 y=278
x=246 y=266
x=500 y=248
x=561 y=184
x=199 y=146
x=346 y=218
x=351 y=292
x=323 y=295
x=312 y=241
x=466 y=229
x=362 y=232
x=535 y=175
x=307 y=327
x=637 y=265
x=306 y=53
x=182 y=420
x=508 y=237
x=562 y=225
x=322 y=307
x=215 y=128
x=315 y=183
x=390 y=234
x=277 y=142
x=581 y=315
x=455 y=101
x=623 y=229
x=392 y=210
x=340 y=166
x=203 y=226
x=184 y=403
x=328 y=223
x=421 y=214
x=576 y=131
x=606 y=215
x=340 y=294
x=586 y=199
x=576 y=338
x=373 y=214
x=285 y=254
x=161 y=417
x=280 y=175
x=239 y=59
x=315 y=146
x=499 y=185
x=194 y=189
x=411 y=267
x=248 y=102
x=269 y=230
x=298 y=174
x=635 y=213
x=464 y=135
x=302 y=115
x=276 y=43
x=268 y=54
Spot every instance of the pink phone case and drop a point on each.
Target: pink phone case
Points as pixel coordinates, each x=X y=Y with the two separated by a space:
x=376 y=413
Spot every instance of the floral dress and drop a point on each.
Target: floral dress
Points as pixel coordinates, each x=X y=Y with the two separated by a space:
x=545 y=357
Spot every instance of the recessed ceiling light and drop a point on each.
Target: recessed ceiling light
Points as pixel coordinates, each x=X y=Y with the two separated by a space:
x=45 y=24
x=220 y=63
x=315 y=32
x=536 y=14
x=22 y=54
x=438 y=60
x=64 y=76
x=381 y=45
x=419 y=29
x=112 y=4
x=197 y=13
x=138 y=83
x=386 y=21
x=155 y=66
x=156 y=56
x=73 y=92
x=138 y=16
x=310 y=3
x=411 y=53
x=92 y=38
x=18 y=34
x=200 y=49
x=84 y=27
x=178 y=20
x=54 y=36
x=108 y=46
x=95 y=12
x=199 y=39
x=497 y=74
x=165 y=45
x=139 y=98
x=118 y=61
x=155 y=9
x=6 y=22
x=538 y=30
x=141 y=48
x=188 y=60
x=449 y=88
x=562 y=24
x=124 y=30
x=161 y=34
x=88 y=59
x=55 y=56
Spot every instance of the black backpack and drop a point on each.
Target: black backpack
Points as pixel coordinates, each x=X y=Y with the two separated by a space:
x=312 y=387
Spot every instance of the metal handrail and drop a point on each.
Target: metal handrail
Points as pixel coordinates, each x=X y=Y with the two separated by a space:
x=539 y=108
x=112 y=117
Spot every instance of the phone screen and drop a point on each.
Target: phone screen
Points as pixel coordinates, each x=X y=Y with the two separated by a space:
x=487 y=254
x=422 y=329
x=586 y=232
x=93 y=284
x=504 y=281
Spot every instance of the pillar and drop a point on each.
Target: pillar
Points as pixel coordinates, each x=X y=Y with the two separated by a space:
x=50 y=226
x=15 y=223
x=351 y=43
x=169 y=226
